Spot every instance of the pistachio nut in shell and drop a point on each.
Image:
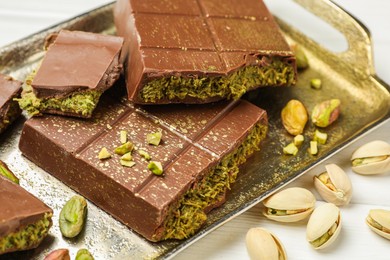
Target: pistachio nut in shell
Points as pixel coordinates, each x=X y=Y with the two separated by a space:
x=379 y=222
x=289 y=205
x=372 y=158
x=324 y=226
x=262 y=244
x=294 y=117
x=326 y=112
x=334 y=185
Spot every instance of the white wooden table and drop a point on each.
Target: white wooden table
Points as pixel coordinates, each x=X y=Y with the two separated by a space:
x=20 y=18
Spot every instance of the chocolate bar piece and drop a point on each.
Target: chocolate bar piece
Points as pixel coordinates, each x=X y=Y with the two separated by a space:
x=200 y=151
x=24 y=219
x=9 y=109
x=201 y=51
x=77 y=68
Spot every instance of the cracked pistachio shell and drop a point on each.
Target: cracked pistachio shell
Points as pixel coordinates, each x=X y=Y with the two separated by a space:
x=294 y=203
x=338 y=189
x=379 y=222
x=262 y=244
x=321 y=221
x=372 y=158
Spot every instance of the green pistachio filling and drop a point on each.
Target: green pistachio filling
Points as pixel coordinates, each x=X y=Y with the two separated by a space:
x=11 y=114
x=234 y=85
x=368 y=160
x=27 y=237
x=282 y=212
x=325 y=237
x=81 y=103
x=189 y=214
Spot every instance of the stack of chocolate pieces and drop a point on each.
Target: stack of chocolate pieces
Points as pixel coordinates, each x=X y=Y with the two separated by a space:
x=174 y=52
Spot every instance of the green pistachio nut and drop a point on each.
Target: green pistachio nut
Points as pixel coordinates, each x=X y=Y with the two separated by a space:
x=154 y=138
x=84 y=254
x=104 y=154
x=72 y=216
x=58 y=254
x=156 y=168
x=144 y=154
x=301 y=60
x=6 y=172
x=290 y=149
x=326 y=112
x=316 y=83
x=124 y=148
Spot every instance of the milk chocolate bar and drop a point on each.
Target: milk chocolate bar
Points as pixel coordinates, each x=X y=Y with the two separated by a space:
x=24 y=219
x=77 y=68
x=200 y=150
x=200 y=51
x=9 y=109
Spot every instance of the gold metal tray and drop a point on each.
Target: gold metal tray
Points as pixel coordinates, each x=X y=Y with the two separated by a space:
x=349 y=76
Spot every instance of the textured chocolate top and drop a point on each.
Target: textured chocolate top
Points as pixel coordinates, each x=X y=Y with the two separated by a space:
x=195 y=37
x=76 y=61
x=194 y=139
x=9 y=88
x=18 y=207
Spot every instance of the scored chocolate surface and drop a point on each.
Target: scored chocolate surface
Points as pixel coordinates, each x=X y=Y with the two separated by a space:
x=196 y=39
x=18 y=209
x=77 y=61
x=9 y=109
x=194 y=139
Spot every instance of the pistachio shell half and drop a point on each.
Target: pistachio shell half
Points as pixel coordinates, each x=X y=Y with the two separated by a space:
x=289 y=205
x=334 y=185
x=379 y=222
x=262 y=244
x=324 y=226
x=372 y=158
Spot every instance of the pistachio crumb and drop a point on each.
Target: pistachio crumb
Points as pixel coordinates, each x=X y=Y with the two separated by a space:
x=320 y=137
x=313 y=148
x=127 y=163
x=316 y=83
x=155 y=167
x=127 y=157
x=124 y=148
x=144 y=154
x=290 y=149
x=123 y=136
x=104 y=154
x=154 y=138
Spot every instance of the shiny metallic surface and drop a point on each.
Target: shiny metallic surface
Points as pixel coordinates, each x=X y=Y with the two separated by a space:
x=349 y=76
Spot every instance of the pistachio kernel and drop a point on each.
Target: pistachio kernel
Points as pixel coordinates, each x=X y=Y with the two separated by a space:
x=313 y=149
x=326 y=112
x=294 y=117
x=298 y=140
x=144 y=154
x=127 y=157
x=124 y=148
x=316 y=83
x=6 y=172
x=290 y=149
x=127 y=163
x=84 y=254
x=155 y=167
x=123 y=136
x=320 y=137
x=58 y=254
x=104 y=154
x=72 y=216
x=300 y=57
x=154 y=138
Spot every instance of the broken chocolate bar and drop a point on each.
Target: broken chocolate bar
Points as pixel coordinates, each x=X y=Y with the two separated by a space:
x=77 y=68
x=200 y=151
x=24 y=219
x=200 y=51
x=9 y=109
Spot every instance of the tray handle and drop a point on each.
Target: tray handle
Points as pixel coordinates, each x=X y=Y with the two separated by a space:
x=358 y=36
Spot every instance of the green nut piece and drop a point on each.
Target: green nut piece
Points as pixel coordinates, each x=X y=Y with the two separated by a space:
x=316 y=83
x=72 y=216
x=6 y=172
x=294 y=117
x=300 y=57
x=156 y=168
x=154 y=138
x=84 y=254
x=123 y=136
x=290 y=149
x=58 y=254
x=127 y=163
x=298 y=140
x=124 y=148
x=313 y=150
x=326 y=112
x=127 y=157
x=144 y=154
x=320 y=137
x=104 y=154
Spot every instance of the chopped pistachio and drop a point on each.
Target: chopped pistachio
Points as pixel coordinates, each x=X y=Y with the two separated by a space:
x=6 y=172
x=154 y=138
x=127 y=163
x=144 y=154
x=155 y=167
x=127 y=157
x=84 y=254
x=313 y=148
x=300 y=56
x=298 y=140
x=320 y=137
x=316 y=83
x=123 y=136
x=290 y=149
x=104 y=154
x=72 y=216
x=124 y=148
